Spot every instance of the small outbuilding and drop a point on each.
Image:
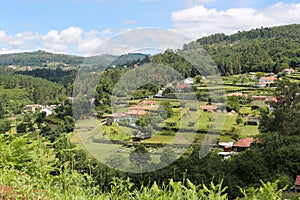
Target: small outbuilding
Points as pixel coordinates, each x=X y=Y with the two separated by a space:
x=243 y=144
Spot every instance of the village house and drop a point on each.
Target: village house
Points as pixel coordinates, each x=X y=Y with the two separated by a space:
x=47 y=110
x=188 y=81
x=209 y=108
x=243 y=144
x=33 y=107
x=131 y=115
x=265 y=81
x=149 y=102
x=134 y=115
x=115 y=117
x=182 y=87
x=227 y=146
x=159 y=94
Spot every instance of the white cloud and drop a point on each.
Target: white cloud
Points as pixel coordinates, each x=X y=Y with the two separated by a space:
x=72 y=40
x=17 y=42
x=62 y=41
x=141 y=39
x=199 y=21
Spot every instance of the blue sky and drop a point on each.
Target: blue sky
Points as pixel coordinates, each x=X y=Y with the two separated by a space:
x=71 y=26
x=43 y=15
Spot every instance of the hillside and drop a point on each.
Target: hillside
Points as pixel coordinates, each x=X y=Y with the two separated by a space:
x=42 y=59
x=38 y=58
x=288 y=31
x=264 y=49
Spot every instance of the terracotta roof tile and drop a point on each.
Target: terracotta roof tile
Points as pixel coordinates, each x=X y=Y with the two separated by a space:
x=137 y=112
x=268 y=78
x=182 y=86
x=208 y=107
x=244 y=142
x=297 y=181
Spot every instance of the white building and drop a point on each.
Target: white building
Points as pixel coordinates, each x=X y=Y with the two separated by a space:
x=188 y=81
x=47 y=110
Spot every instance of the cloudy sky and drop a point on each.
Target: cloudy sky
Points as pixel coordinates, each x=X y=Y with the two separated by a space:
x=79 y=26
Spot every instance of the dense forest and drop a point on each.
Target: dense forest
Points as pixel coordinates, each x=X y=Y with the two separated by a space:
x=263 y=49
x=57 y=75
x=46 y=59
x=38 y=58
x=29 y=89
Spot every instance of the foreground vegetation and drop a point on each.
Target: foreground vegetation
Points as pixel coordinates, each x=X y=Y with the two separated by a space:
x=29 y=170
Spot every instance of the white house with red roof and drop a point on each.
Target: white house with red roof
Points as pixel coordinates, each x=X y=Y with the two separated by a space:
x=115 y=117
x=266 y=81
x=209 y=108
x=182 y=87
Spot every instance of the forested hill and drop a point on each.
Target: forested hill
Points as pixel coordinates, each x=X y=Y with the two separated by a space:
x=288 y=31
x=38 y=58
x=263 y=49
x=43 y=59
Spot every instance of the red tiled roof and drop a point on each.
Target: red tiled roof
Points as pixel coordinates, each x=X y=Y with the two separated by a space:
x=297 y=181
x=137 y=112
x=268 y=78
x=182 y=86
x=245 y=142
x=208 y=107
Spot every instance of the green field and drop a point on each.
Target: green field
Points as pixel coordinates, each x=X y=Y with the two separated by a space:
x=248 y=131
